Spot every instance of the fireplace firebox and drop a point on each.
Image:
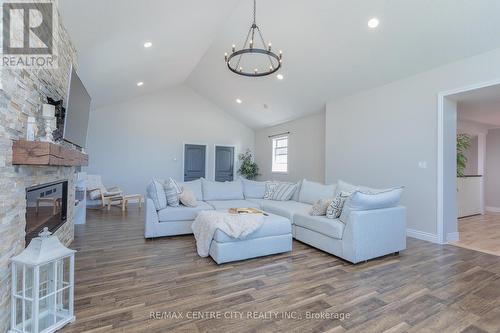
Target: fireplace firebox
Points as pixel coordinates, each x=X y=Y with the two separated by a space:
x=46 y=206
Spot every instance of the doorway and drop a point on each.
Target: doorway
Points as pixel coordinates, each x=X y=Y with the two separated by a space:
x=194 y=161
x=468 y=160
x=224 y=163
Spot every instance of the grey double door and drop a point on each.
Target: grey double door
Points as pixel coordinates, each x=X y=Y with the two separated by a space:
x=195 y=162
x=224 y=164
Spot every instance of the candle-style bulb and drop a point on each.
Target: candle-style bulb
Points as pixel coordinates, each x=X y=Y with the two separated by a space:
x=234 y=47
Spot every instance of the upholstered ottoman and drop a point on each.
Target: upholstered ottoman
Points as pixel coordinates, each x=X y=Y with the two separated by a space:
x=275 y=236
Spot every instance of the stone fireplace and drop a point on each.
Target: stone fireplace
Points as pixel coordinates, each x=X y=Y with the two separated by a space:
x=22 y=93
x=46 y=206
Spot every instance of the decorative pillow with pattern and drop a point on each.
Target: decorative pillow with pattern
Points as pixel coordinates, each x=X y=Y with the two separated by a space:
x=171 y=194
x=334 y=209
x=270 y=187
x=320 y=207
x=283 y=192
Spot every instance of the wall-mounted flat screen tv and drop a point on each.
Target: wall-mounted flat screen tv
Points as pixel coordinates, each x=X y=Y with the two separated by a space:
x=76 y=121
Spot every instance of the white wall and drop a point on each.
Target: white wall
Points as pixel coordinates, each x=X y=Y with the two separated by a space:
x=306 y=149
x=492 y=174
x=377 y=137
x=132 y=142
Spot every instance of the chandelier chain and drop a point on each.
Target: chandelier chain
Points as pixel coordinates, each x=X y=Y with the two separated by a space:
x=254 y=11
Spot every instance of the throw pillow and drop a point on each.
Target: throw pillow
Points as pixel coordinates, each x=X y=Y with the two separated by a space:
x=156 y=192
x=187 y=198
x=320 y=207
x=95 y=194
x=334 y=209
x=270 y=187
x=177 y=187
x=283 y=191
x=171 y=194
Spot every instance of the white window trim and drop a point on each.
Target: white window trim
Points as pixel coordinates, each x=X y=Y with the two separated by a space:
x=287 y=136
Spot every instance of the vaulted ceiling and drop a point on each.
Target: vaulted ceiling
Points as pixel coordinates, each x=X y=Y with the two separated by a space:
x=329 y=52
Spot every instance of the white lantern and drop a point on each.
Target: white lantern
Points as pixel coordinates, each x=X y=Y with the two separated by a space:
x=42 y=286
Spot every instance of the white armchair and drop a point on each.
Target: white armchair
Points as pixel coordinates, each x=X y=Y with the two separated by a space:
x=99 y=195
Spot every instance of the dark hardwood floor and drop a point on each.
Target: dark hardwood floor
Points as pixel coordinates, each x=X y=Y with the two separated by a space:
x=123 y=281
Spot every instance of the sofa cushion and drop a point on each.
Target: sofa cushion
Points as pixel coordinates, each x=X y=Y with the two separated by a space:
x=253 y=189
x=285 y=208
x=181 y=212
x=195 y=187
x=259 y=202
x=296 y=194
x=274 y=225
x=156 y=192
x=342 y=186
x=310 y=192
x=226 y=204
x=329 y=227
x=222 y=190
x=368 y=201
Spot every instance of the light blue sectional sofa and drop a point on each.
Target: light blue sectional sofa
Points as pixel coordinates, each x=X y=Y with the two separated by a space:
x=359 y=235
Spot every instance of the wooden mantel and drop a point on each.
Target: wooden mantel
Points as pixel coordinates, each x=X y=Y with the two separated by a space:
x=46 y=153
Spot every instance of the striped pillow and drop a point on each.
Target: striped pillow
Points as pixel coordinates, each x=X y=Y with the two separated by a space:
x=174 y=183
x=283 y=191
x=171 y=194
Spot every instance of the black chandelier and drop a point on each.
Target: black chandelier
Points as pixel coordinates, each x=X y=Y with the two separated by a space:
x=251 y=49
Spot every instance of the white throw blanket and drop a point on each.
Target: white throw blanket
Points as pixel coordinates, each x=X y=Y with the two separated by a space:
x=234 y=225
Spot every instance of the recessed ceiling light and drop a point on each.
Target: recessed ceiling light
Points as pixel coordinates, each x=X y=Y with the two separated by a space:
x=239 y=101
x=140 y=83
x=279 y=76
x=373 y=23
x=148 y=44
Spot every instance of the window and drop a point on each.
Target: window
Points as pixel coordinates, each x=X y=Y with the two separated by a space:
x=280 y=154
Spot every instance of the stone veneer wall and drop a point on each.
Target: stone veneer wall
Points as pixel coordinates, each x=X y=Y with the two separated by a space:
x=22 y=92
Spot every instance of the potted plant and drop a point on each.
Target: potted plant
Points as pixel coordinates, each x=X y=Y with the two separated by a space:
x=463 y=143
x=248 y=168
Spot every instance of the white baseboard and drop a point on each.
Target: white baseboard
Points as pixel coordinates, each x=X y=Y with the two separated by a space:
x=426 y=236
x=452 y=237
x=492 y=209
